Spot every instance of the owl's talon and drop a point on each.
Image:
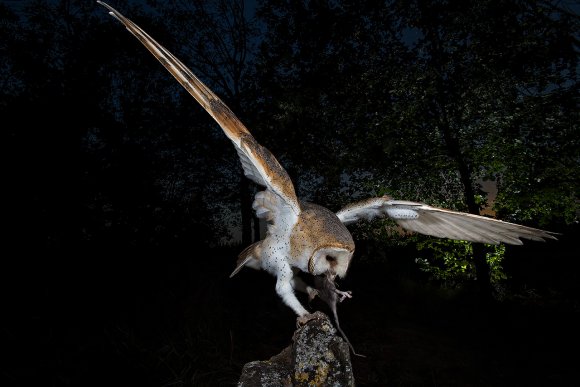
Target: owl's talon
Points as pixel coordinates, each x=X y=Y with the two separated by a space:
x=303 y=320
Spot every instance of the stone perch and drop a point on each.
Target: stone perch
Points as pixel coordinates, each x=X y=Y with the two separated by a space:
x=317 y=357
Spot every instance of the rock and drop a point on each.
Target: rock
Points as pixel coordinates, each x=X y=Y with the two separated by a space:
x=317 y=357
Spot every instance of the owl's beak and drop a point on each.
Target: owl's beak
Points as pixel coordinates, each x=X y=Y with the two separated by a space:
x=334 y=260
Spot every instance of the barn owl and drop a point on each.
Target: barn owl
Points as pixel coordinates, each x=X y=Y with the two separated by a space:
x=307 y=237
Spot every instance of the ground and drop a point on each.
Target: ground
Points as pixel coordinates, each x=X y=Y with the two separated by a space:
x=164 y=319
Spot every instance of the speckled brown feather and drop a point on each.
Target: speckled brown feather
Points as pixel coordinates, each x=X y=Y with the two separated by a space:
x=318 y=227
x=270 y=168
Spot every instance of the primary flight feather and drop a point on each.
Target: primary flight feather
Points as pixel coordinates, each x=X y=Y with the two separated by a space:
x=307 y=237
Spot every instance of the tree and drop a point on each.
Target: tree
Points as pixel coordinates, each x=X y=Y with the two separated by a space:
x=98 y=158
x=218 y=37
x=314 y=88
x=494 y=77
x=436 y=95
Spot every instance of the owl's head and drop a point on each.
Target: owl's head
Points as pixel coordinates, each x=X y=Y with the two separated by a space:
x=323 y=239
x=330 y=259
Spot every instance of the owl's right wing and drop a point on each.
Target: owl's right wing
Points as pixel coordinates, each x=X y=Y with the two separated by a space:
x=258 y=162
x=439 y=222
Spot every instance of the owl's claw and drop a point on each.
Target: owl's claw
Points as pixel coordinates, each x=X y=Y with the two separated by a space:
x=303 y=320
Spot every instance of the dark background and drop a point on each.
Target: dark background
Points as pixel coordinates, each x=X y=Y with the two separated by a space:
x=122 y=218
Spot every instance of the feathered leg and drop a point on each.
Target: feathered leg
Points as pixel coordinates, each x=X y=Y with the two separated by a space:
x=285 y=290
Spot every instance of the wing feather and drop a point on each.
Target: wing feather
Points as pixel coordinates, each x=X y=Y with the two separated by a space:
x=258 y=162
x=440 y=222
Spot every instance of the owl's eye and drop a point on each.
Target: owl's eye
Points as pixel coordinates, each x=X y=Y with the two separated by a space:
x=330 y=259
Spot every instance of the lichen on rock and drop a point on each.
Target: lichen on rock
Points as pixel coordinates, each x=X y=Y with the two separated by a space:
x=317 y=357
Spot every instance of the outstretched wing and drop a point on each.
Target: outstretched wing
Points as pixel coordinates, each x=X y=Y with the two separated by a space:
x=441 y=223
x=258 y=162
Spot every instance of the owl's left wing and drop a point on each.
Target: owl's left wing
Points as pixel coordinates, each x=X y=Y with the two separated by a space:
x=258 y=162
x=439 y=222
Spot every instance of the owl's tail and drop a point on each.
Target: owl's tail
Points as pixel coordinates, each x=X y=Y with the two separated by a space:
x=250 y=257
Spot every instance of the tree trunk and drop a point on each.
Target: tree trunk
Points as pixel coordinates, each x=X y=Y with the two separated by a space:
x=482 y=268
x=454 y=150
x=482 y=271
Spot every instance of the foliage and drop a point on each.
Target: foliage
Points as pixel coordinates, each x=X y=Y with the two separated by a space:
x=314 y=91
x=451 y=262
x=489 y=97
